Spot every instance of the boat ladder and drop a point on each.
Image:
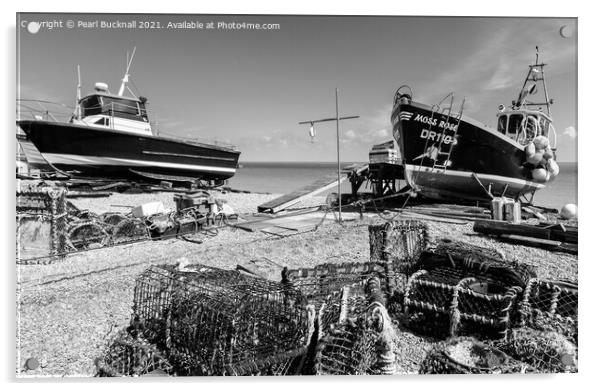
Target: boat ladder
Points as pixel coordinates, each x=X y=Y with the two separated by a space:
x=449 y=131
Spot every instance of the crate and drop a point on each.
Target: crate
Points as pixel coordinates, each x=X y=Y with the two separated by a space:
x=217 y=322
x=200 y=201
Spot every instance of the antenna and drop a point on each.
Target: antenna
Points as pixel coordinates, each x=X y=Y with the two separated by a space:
x=125 y=79
x=78 y=109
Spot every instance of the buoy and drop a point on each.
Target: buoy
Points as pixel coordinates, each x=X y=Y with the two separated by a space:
x=569 y=211
x=540 y=175
x=541 y=142
x=530 y=149
x=536 y=158
x=32 y=363
x=547 y=155
x=552 y=167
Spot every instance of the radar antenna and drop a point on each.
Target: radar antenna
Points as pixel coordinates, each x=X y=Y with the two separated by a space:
x=126 y=77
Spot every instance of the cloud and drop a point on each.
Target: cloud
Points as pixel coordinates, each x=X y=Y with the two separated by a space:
x=350 y=135
x=502 y=78
x=570 y=131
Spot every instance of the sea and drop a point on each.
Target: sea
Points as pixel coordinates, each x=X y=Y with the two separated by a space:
x=284 y=177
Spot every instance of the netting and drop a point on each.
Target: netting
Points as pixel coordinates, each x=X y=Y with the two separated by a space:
x=130 y=356
x=466 y=355
x=546 y=351
x=456 y=293
x=39 y=206
x=129 y=229
x=217 y=322
x=112 y=218
x=398 y=242
x=551 y=306
x=86 y=234
x=323 y=280
x=355 y=332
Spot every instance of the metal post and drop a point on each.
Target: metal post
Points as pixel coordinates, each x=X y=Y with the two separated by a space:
x=336 y=98
x=337 y=119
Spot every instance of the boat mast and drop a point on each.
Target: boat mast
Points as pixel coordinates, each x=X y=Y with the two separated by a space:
x=78 y=109
x=125 y=79
x=535 y=74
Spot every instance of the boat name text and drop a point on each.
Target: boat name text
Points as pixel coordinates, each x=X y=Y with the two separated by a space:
x=425 y=119
x=435 y=136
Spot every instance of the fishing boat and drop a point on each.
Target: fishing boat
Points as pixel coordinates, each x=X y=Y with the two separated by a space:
x=110 y=136
x=448 y=156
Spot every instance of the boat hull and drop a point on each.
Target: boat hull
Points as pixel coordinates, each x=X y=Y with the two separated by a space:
x=98 y=152
x=481 y=159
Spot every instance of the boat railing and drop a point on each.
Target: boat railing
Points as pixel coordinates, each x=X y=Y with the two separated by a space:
x=43 y=110
x=552 y=130
x=197 y=140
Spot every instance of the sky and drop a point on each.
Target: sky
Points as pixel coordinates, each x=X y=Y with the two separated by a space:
x=251 y=88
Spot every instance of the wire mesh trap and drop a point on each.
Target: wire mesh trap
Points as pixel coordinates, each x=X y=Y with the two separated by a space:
x=466 y=355
x=130 y=356
x=41 y=221
x=464 y=293
x=323 y=280
x=128 y=230
x=399 y=243
x=355 y=333
x=87 y=234
x=551 y=306
x=546 y=351
x=218 y=322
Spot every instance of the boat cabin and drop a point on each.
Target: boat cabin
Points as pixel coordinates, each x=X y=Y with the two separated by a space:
x=524 y=125
x=114 y=112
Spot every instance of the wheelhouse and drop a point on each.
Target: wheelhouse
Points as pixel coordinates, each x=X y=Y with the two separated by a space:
x=114 y=106
x=524 y=125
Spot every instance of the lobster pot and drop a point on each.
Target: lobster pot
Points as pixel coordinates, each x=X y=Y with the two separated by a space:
x=354 y=335
x=462 y=295
x=552 y=306
x=130 y=356
x=217 y=322
x=398 y=242
x=318 y=283
x=546 y=351
x=465 y=355
x=41 y=222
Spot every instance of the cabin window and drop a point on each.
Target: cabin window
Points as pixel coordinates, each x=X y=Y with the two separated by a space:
x=544 y=125
x=90 y=106
x=501 y=124
x=514 y=124
x=530 y=126
x=119 y=106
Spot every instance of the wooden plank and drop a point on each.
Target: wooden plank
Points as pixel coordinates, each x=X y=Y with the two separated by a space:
x=534 y=231
x=534 y=212
x=505 y=228
x=427 y=217
x=552 y=245
x=298 y=195
x=278 y=231
x=86 y=194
